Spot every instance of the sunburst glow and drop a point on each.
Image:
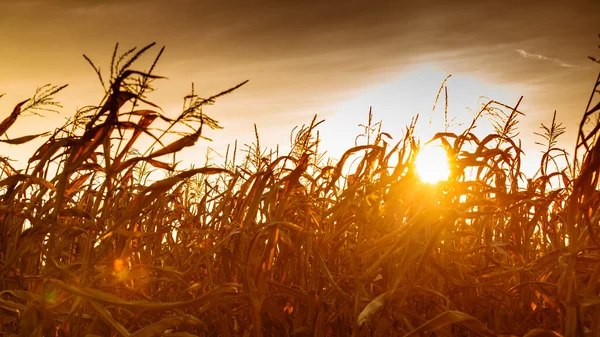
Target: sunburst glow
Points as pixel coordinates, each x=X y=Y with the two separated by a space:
x=432 y=164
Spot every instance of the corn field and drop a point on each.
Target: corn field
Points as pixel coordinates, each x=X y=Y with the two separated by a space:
x=271 y=244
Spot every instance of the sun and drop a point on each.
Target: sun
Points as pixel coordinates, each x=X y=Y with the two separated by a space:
x=432 y=164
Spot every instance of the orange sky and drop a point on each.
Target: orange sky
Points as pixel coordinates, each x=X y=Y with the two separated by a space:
x=331 y=58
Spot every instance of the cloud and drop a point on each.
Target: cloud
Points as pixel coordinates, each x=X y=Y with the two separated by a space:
x=543 y=58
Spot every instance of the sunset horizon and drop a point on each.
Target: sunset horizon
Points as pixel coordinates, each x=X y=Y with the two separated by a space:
x=339 y=74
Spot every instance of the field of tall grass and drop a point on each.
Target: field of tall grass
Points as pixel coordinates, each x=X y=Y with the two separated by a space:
x=271 y=244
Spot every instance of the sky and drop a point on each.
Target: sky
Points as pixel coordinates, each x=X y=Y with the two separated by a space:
x=335 y=59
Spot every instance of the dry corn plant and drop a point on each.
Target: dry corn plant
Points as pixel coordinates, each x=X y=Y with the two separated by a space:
x=271 y=244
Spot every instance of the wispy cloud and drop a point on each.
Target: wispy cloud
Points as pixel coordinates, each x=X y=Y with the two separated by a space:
x=544 y=58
